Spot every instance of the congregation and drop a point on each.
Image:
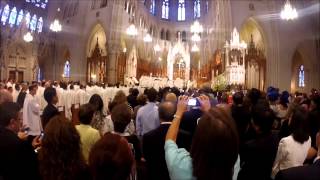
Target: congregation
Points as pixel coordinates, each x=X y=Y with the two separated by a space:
x=69 y=131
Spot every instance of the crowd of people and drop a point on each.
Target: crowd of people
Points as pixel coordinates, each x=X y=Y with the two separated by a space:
x=68 y=131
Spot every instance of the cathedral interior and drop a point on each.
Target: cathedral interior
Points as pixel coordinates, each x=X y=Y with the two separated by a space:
x=248 y=43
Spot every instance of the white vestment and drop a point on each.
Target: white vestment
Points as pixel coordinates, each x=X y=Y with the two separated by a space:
x=31 y=115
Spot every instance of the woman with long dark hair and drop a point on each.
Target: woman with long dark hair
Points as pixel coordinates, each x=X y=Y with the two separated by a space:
x=293 y=150
x=98 y=120
x=60 y=156
x=214 y=148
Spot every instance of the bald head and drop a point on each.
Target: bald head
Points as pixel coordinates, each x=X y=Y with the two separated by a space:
x=5 y=96
x=166 y=111
x=171 y=97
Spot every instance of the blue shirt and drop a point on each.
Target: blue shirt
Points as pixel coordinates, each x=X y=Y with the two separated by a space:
x=147 y=118
x=179 y=162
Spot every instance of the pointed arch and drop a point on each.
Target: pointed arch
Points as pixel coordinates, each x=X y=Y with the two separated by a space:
x=255 y=60
x=97 y=35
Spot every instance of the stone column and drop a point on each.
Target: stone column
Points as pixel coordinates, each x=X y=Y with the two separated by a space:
x=113 y=52
x=114 y=47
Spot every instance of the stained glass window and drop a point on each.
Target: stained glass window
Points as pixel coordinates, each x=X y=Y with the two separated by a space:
x=207 y=6
x=196 y=9
x=301 y=76
x=5 y=14
x=181 y=10
x=39 y=75
x=66 y=70
x=38 y=3
x=153 y=7
x=40 y=25
x=28 y=18
x=13 y=16
x=165 y=9
x=33 y=23
x=20 y=17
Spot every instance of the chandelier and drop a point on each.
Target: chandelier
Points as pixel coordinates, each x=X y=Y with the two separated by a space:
x=195 y=48
x=196 y=27
x=288 y=12
x=195 y=37
x=157 y=48
x=132 y=30
x=28 y=37
x=56 y=26
x=147 y=38
x=235 y=41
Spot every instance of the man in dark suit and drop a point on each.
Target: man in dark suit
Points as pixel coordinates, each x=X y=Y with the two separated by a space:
x=17 y=157
x=257 y=155
x=50 y=95
x=311 y=172
x=153 y=143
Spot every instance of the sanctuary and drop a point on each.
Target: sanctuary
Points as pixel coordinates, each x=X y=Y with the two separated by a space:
x=185 y=43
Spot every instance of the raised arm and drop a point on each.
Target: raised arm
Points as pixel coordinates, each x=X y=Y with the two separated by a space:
x=174 y=128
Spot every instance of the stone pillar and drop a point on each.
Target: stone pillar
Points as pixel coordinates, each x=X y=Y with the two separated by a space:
x=113 y=41
x=112 y=65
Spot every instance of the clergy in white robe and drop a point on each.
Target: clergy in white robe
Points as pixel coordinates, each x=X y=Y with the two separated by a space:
x=67 y=99
x=40 y=98
x=15 y=94
x=31 y=113
x=82 y=96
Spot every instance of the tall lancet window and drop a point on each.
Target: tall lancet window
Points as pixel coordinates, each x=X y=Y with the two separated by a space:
x=40 y=25
x=66 y=70
x=165 y=9
x=153 y=7
x=39 y=75
x=28 y=19
x=33 y=23
x=5 y=14
x=181 y=10
x=301 y=76
x=13 y=16
x=196 y=9
x=20 y=17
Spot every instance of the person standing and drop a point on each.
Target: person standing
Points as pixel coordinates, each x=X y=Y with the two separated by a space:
x=153 y=143
x=31 y=114
x=17 y=158
x=50 y=95
x=147 y=117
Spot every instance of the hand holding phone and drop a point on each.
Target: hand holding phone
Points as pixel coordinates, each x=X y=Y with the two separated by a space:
x=192 y=102
x=41 y=136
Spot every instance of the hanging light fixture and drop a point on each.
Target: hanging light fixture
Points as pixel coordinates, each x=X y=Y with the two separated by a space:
x=195 y=48
x=196 y=27
x=195 y=37
x=132 y=30
x=288 y=12
x=147 y=38
x=28 y=37
x=56 y=26
x=157 y=48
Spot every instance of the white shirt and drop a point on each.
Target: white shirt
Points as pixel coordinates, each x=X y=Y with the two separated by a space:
x=290 y=154
x=15 y=95
x=31 y=115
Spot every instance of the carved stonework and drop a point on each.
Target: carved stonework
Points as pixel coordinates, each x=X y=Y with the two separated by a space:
x=97 y=66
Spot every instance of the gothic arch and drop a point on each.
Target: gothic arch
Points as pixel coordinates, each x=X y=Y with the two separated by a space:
x=300 y=58
x=255 y=61
x=252 y=26
x=97 y=35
